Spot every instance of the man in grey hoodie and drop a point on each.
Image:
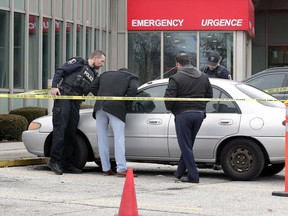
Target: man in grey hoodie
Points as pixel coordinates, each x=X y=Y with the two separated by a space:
x=188 y=82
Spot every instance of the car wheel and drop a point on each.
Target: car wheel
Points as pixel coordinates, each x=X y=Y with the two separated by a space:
x=80 y=152
x=242 y=159
x=272 y=169
x=113 y=164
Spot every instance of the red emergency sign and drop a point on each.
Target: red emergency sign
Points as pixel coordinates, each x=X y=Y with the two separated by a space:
x=205 y=15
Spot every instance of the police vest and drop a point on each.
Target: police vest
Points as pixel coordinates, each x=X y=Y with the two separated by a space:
x=78 y=83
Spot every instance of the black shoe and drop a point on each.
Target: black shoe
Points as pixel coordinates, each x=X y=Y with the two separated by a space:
x=71 y=169
x=177 y=176
x=55 y=168
x=186 y=179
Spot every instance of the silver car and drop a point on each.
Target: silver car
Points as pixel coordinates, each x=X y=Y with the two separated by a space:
x=243 y=135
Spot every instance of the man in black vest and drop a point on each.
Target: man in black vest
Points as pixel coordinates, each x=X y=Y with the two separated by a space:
x=72 y=78
x=214 y=69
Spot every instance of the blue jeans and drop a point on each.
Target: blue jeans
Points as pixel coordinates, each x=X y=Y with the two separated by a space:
x=187 y=125
x=102 y=120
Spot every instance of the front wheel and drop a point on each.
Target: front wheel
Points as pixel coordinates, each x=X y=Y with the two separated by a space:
x=80 y=152
x=242 y=159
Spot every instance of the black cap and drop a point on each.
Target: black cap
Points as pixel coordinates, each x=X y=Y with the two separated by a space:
x=213 y=58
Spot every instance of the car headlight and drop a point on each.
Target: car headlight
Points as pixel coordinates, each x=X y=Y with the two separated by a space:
x=34 y=126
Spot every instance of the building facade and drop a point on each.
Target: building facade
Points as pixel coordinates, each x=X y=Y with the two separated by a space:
x=37 y=36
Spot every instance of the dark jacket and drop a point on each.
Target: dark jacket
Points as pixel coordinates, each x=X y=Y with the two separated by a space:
x=219 y=72
x=115 y=83
x=74 y=77
x=188 y=82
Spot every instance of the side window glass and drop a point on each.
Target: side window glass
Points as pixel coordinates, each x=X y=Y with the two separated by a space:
x=220 y=106
x=264 y=82
x=147 y=106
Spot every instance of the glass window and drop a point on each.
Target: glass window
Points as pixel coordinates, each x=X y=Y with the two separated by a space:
x=69 y=40
x=144 y=55
x=79 y=40
x=268 y=81
x=4 y=49
x=34 y=6
x=68 y=7
x=220 y=42
x=33 y=52
x=221 y=106
x=19 y=50
x=263 y=98
x=59 y=9
x=277 y=56
x=46 y=52
x=96 y=39
x=174 y=43
x=88 y=41
x=5 y=3
x=143 y=106
x=47 y=7
x=79 y=6
x=19 y=4
x=277 y=33
x=58 y=43
x=89 y=10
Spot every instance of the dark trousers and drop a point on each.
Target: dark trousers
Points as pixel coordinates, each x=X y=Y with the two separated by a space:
x=187 y=125
x=65 y=120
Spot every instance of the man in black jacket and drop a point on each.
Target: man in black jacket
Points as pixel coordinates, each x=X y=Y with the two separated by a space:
x=113 y=83
x=188 y=82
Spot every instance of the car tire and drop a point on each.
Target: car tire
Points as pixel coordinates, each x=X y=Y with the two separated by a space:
x=272 y=169
x=242 y=159
x=80 y=152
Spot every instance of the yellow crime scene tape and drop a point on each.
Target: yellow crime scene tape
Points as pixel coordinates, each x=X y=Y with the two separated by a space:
x=44 y=94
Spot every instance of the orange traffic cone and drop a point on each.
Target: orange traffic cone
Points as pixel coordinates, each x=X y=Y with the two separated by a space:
x=128 y=205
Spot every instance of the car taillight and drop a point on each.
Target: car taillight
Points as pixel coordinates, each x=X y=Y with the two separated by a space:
x=34 y=126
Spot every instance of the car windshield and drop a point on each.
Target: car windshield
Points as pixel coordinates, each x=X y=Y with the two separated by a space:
x=262 y=96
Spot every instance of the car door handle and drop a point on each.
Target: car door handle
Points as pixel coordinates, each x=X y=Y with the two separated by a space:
x=154 y=121
x=225 y=122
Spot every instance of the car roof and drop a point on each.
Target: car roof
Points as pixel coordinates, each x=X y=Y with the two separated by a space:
x=213 y=81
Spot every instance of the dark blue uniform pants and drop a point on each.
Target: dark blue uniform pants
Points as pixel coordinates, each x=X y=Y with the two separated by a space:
x=187 y=125
x=65 y=121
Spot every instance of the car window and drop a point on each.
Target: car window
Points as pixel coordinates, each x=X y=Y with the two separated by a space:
x=147 y=106
x=262 y=96
x=221 y=106
x=268 y=81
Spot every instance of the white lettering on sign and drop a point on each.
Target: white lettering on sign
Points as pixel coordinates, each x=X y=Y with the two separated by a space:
x=222 y=22
x=157 y=23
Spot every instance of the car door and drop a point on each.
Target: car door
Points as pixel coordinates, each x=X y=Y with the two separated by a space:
x=147 y=125
x=223 y=120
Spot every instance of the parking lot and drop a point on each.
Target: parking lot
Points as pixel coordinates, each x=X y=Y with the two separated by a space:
x=35 y=190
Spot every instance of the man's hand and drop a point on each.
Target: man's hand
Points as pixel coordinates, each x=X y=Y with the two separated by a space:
x=55 y=91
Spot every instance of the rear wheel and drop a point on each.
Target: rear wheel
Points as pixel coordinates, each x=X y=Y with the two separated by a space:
x=242 y=159
x=80 y=152
x=272 y=169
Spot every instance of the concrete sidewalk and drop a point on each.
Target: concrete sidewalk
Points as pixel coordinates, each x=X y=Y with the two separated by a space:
x=15 y=154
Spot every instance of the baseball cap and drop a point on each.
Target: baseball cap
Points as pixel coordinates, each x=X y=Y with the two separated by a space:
x=213 y=58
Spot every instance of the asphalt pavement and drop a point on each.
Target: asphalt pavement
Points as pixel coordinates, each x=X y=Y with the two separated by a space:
x=35 y=190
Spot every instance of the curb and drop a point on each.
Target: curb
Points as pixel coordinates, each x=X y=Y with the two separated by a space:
x=23 y=162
